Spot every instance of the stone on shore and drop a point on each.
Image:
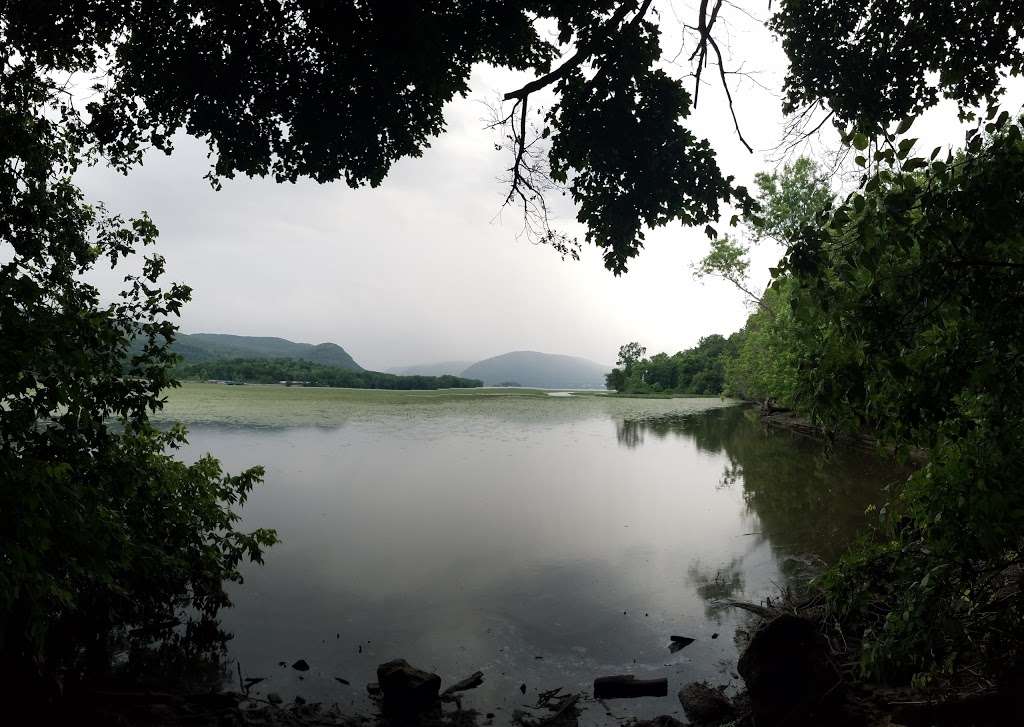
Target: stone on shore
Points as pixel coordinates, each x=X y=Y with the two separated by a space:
x=704 y=704
x=406 y=688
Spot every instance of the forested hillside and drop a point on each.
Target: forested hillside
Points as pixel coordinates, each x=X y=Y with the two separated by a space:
x=198 y=347
x=304 y=373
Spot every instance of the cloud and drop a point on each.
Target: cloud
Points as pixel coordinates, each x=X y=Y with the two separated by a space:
x=428 y=266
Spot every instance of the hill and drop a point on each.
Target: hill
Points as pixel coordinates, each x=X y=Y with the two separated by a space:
x=439 y=368
x=304 y=373
x=543 y=370
x=203 y=347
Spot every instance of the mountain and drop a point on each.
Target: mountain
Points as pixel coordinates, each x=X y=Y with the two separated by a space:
x=439 y=368
x=543 y=370
x=201 y=347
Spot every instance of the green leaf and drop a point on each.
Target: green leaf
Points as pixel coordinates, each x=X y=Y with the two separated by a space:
x=905 y=125
x=860 y=141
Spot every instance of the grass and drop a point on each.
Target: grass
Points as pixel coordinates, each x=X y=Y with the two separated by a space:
x=275 y=405
x=647 y=395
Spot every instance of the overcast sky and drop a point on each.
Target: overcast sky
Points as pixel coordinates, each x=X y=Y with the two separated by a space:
x=428 y=267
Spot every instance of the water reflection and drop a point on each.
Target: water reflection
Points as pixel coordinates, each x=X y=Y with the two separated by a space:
x=518 y=538
x=804 y=497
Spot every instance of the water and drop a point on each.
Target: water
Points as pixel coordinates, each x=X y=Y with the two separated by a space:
x=543 y=540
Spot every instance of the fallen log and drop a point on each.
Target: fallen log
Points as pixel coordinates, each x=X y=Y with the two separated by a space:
x=473 y=681
x=627 y=686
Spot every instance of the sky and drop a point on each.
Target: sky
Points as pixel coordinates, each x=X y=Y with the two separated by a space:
x=428 y=267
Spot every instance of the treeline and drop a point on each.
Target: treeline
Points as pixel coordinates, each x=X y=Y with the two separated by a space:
x=305 y=373
x=698 y=371
x=897 y=310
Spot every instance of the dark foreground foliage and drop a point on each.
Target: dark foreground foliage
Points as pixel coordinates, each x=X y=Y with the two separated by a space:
x=912 y=295
x=305 y=373
x=101 y=528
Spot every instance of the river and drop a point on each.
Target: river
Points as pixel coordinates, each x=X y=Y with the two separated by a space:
x=543 y=540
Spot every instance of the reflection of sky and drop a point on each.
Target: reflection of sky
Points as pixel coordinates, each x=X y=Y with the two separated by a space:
x=461 y=547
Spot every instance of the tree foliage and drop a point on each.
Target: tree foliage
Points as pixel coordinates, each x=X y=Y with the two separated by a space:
x=874 y=62
x=100 y=527
x=697 y=371
x=768 y=351
x=342 y=90
x=788 y=200
x=908 y=302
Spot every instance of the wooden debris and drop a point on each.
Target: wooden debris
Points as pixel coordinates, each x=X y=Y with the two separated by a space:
x=473 y=681
x=627 y=686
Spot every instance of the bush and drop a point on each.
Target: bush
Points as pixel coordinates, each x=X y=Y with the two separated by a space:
x=101 y=527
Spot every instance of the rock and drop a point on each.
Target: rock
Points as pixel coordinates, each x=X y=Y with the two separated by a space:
x=301 y=665
x=788 y=673
x=274 y=698
x=406 y=688
x=341 y=681
x=299 y=700
x=627 y=686
x=662 y=721
x=522 y=688
x=679 y=642
x=373 y=689
x=704 y=704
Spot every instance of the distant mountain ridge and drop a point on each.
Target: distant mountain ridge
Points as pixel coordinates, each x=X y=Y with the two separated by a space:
x=541 y=370
x=525 y=368
x=437 y=368
x=203 y=347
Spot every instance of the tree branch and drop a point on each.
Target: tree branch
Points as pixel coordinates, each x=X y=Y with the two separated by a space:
x=582 y=54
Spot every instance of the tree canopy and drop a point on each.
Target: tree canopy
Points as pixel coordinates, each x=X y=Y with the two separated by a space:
x=873 y=62
x=101 y=528
x=342 y=90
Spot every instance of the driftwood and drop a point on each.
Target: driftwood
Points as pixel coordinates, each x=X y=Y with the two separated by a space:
x=567 y=703
x=473 y=681
x=762 y=611
x=627 y=686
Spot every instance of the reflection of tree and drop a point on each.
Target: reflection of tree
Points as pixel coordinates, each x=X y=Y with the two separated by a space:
x=630 y=433
x=716 y=584
x=805 y=500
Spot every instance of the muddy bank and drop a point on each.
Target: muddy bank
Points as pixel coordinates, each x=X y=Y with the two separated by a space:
x=794 y=676
x=793 y=422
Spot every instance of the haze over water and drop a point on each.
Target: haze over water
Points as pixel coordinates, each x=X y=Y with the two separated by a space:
x=543 y=540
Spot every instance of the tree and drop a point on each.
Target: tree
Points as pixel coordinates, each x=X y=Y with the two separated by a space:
x=100 y=527
x=788 y=201
x=873 y=62
x=630 y=354
x=907 y=301
x=768 y=351
x=342 y=90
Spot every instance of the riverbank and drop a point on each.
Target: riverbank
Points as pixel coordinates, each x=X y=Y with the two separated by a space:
x=794 y=675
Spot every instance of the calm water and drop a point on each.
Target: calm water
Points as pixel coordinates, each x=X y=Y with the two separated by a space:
x=543 y=540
